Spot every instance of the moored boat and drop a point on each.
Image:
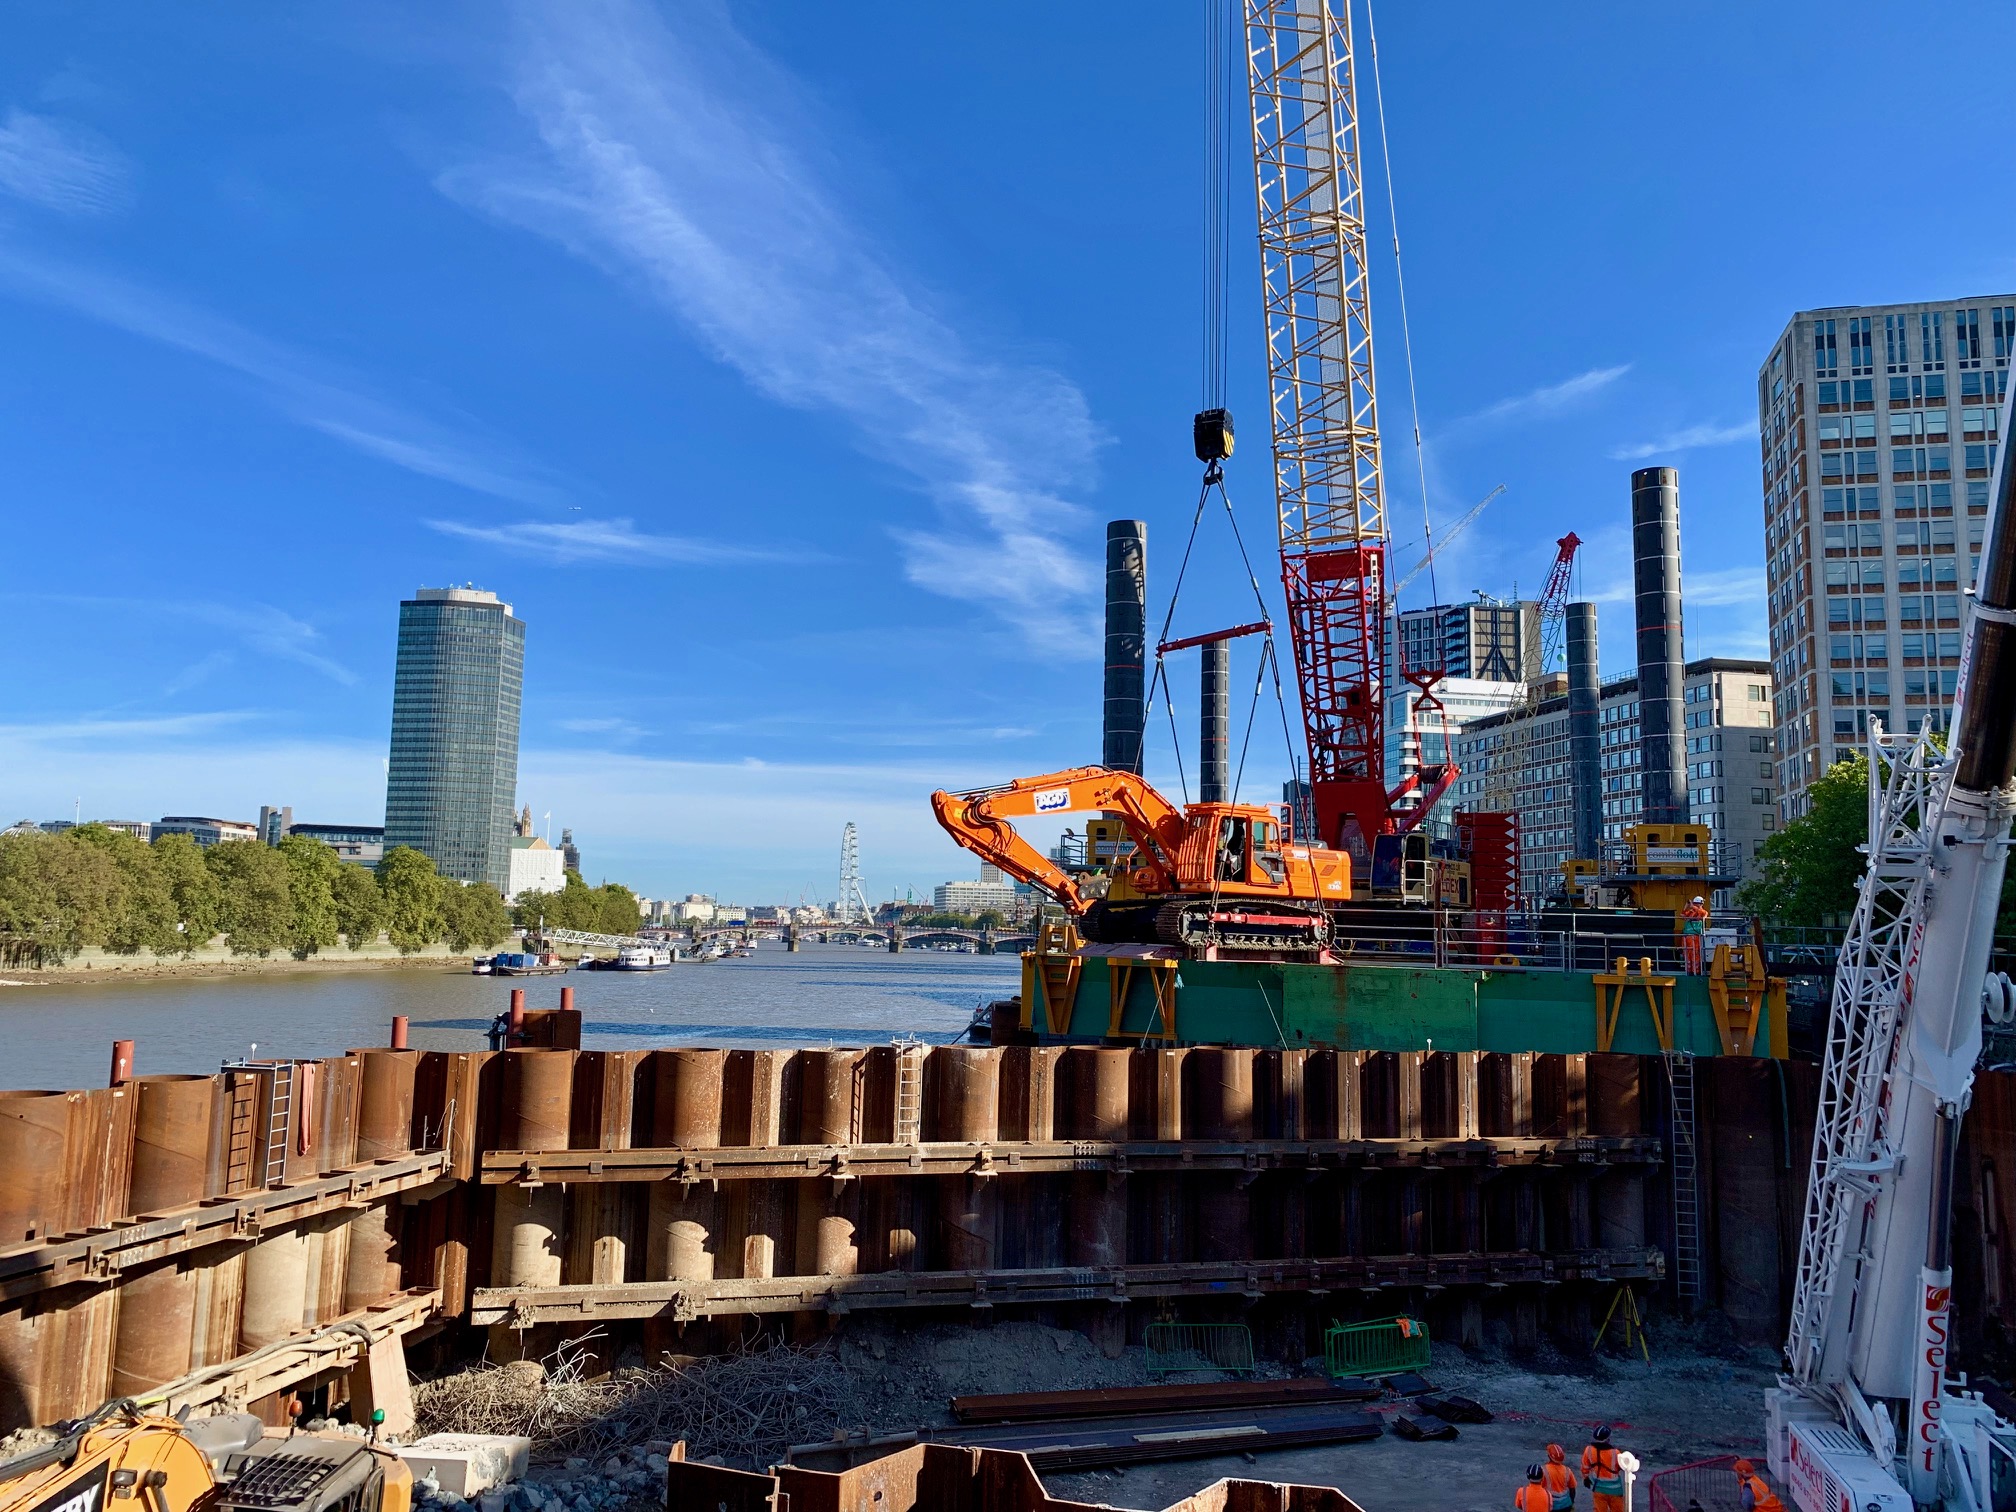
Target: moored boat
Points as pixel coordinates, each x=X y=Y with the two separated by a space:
x=645 y=958
x=527 y=963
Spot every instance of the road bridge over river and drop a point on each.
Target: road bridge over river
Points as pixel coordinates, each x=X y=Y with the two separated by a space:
x=900 y=937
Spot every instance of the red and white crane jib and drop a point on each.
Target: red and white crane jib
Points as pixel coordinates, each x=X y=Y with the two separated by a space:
x=1328 y=491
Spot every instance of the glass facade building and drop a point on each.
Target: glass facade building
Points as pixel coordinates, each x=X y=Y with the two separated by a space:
x=452 y=782
x=1880 y=425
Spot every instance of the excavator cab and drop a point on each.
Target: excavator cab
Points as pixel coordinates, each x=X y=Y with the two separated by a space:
x=228 y=1463
x=1232 y=849
x=1249 y=852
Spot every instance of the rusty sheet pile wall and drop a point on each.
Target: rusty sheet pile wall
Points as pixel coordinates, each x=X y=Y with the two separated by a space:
x=195 y=1237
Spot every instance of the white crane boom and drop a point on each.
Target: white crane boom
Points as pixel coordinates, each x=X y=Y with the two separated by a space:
x=1866 y=1353
x=1393 y=595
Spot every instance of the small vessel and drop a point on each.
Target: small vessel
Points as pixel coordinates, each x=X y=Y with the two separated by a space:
x=482 y=966
x=645 y=958
x=526 y=963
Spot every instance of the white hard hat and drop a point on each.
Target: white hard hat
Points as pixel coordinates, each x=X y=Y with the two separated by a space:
x=1699 y=899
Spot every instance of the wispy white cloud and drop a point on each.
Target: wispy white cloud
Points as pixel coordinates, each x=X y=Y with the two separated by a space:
x=196 y=673
x=64 y=732
x=1687 y=439
x=1717 y=589
x=671 y=154
x=305 y=390
x=1549 y=399
x=258 y=627
x=616 y=541
x=62 y=166
x=1730 y=586
x=271 y=632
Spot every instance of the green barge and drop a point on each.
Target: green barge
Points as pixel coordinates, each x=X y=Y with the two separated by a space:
x=1090 y=995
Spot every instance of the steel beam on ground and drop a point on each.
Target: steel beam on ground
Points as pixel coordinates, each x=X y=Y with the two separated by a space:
x=335 y=1347
x=1039 y=1157
x=526 y=1307
x=101 y=1254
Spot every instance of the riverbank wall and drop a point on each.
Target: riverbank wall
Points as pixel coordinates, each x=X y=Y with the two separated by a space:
x=218 y=959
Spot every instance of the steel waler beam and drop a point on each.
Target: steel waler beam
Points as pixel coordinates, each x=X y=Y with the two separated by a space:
x=525 y=1307
x=534 y=1168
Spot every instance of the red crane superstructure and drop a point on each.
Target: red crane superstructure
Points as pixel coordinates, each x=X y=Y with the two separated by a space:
x=1554 y=600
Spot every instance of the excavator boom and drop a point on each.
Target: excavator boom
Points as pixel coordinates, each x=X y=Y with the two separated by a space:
x=979 y=821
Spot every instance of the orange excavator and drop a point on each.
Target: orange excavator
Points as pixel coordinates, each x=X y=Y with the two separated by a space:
x=1206 y=875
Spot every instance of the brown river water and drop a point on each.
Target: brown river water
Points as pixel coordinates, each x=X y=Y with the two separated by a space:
x=59 y=1035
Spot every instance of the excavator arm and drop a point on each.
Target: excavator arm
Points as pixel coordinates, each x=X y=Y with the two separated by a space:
x=979 y=821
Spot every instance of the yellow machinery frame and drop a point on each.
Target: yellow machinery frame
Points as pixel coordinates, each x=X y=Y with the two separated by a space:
x=1613 y=988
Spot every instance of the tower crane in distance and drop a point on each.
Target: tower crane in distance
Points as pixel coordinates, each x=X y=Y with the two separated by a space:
x=1554 y=601
x=1501 y=785
x=1469 y=519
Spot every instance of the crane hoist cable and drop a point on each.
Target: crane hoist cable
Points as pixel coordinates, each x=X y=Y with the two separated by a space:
x=1400 y=291
x=1214 y=479
x=1224 y=69
x=1220 y=26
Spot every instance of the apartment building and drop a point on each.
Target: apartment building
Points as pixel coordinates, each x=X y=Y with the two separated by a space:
x=1731 y=766
x=1879 y=426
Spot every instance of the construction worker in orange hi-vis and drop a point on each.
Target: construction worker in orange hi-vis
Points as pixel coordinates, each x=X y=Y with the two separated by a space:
x=1757 y=1496
x=1693 y=932
x=1532 y=1497
x=1559 y=1480
x=1601 y=1473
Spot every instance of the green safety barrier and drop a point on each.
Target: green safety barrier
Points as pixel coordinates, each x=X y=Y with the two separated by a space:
x=1385 y=1346
x=1199 y=1346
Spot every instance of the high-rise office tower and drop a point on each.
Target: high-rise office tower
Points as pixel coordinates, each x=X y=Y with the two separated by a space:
x=1879 y=426
x=453 y=777
x=1488 y=639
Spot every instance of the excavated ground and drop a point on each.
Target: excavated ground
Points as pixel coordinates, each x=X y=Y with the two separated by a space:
x=1700 y=1396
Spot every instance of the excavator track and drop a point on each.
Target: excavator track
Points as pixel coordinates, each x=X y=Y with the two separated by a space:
x=1198 y=923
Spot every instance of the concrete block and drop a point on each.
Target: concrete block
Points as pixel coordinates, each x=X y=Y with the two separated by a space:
x=467 y=1464
x=380 y=1383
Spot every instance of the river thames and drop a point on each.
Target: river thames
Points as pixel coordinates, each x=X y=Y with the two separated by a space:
x=60 y=1034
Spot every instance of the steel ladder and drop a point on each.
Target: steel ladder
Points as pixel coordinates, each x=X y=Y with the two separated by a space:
x=1686 y=1166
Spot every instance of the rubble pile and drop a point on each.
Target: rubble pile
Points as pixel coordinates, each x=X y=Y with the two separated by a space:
x=743 y=1409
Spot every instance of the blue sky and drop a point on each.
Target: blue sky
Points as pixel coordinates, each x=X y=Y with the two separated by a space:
x=781 y=363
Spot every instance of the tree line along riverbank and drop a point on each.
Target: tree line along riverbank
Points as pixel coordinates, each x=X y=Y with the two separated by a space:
x=96 y=890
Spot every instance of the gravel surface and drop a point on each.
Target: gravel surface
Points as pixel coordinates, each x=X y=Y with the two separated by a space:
x=1700 y=1396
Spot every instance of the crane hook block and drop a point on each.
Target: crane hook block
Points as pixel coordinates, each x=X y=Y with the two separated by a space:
x=1211 y=431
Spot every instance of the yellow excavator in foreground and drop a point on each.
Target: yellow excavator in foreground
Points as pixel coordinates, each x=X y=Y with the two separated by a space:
x=1205 y=876
x=123 y=1458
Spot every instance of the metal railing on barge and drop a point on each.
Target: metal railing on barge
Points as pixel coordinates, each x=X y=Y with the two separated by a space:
x=1552 y=941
